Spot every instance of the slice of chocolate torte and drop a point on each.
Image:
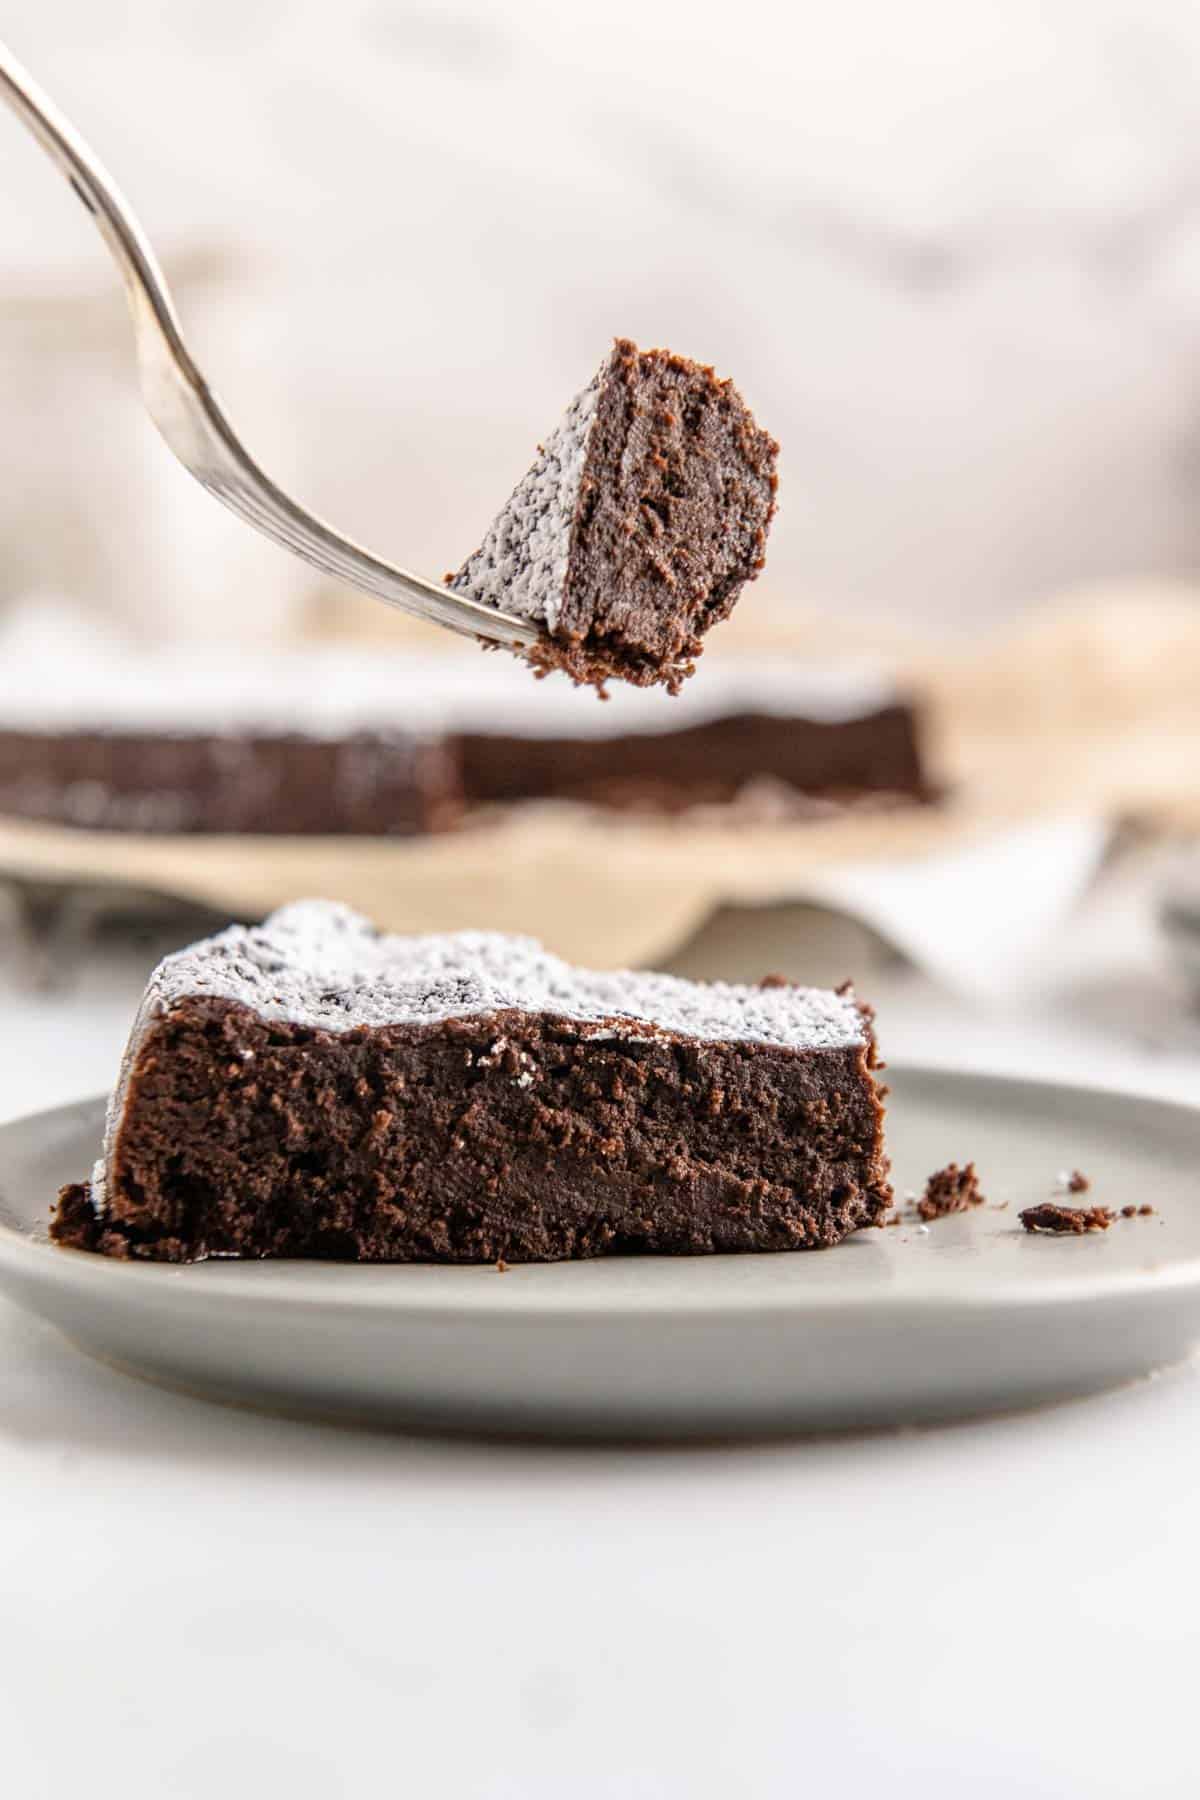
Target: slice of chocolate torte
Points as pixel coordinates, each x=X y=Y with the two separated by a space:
x=643 y=516
x=310 y=1088
x=343 y=740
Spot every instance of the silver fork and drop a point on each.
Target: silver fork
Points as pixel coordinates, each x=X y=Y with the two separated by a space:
x=188 y=414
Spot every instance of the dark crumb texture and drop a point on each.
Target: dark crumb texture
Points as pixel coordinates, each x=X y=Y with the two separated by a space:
x=75 y=1222
x=1077 y=1182
x=1066 y=1221
x=665 y=519
x=950 y=1190
x=490 y=1139
x=1137 y=1212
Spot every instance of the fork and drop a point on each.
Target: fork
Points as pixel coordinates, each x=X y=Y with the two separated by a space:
x=188 y=414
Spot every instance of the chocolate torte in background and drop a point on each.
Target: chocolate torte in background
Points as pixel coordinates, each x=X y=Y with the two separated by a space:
x=336 y=742
x=254 y=781
x=833 y=761
x=311 y=1088
x=199 y=741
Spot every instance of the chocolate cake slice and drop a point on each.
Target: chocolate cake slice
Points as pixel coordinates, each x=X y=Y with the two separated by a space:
x=309 y=1088
x=634 y=531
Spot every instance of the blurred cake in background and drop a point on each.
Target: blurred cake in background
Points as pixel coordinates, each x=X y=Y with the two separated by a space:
x=328 y=741
x=745 y=729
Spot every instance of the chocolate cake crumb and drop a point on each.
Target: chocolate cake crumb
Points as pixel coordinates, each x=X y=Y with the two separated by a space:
x=1077 y=1182
x=75 y=1217
x=1066 y=1221
x=950 y=1190
x=501 y=1266
x=1144 y=1212
x=77 y=1225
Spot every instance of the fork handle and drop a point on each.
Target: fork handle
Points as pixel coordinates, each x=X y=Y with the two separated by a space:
x=91 y=183
x=190 y=421
x=188 y=415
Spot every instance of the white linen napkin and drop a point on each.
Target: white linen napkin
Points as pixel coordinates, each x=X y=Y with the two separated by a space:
x=983 y=918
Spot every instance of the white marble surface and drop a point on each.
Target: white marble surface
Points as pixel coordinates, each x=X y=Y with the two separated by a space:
x=950 y=251
x=198 y=1601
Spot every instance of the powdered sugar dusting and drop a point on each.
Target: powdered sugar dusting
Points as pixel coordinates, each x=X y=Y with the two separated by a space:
x=521 y=565
x=318 y=964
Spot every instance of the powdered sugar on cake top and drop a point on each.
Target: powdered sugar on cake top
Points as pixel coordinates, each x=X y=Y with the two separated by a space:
x=318 y=964
x=521 y=565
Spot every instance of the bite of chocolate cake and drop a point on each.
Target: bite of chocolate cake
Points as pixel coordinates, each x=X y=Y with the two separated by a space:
x=644 y=514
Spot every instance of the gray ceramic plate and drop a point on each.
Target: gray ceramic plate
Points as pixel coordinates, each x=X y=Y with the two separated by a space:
x=894 y=1326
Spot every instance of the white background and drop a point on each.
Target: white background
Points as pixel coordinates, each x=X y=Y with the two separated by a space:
x=950 y=251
